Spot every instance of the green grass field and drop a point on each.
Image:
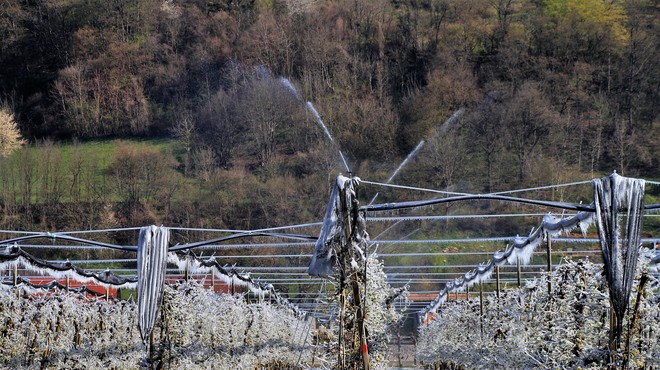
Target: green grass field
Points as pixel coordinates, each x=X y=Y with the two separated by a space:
x=69 y=171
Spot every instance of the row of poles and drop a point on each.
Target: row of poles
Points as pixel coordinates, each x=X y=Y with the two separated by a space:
x=497 y=279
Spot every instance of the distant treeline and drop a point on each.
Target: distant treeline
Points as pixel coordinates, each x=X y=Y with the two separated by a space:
x=49 y=186
x=551 y=90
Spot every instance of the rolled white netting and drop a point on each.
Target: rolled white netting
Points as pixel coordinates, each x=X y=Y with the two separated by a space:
x=152 y=263
x=619 y=203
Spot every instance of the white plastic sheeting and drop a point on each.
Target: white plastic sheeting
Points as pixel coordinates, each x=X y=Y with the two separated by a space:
x=333 y=232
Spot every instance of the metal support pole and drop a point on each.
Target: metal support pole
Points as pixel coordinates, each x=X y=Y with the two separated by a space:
x=481 y=305
x=518 y=268
x=467 y=292
x=549 y=255
x=68 y=284
x=497 y=281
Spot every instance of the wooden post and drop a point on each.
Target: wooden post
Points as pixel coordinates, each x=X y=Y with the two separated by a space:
x=364 y=349
x=151 y=349
x=635 y=317
x=349 y=212
x=497 y=281
x=467 y=292
x=549 y=255
x=613 y=344
x=518 y=268
x=212 y=282
x=68 y=284
x=342 y=318
x=107 y=293
x=18 y=291
x=343 y=268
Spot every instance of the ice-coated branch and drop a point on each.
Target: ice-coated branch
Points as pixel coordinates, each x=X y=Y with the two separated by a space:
x=14 y=256
x=530 y=327
x=60 y=330
x=53 y=286
x=521 y=249
x=196 y=265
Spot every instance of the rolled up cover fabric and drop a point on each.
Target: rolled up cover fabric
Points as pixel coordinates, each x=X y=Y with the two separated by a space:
x=151 y=263
x=333 y=231
x=619 y=205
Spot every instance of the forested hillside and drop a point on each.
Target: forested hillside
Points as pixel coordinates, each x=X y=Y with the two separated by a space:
x=540 y=91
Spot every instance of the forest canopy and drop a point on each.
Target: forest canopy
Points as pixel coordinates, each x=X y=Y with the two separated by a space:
x=532 y=85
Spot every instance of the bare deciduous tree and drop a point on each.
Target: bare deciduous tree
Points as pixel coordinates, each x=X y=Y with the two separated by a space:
x=485 y=132
x=142 y=176
x=529 y=119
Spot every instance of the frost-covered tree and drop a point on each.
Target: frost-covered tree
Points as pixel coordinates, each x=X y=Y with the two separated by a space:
x=197 y=329
x=527 y=328
x=381 y=315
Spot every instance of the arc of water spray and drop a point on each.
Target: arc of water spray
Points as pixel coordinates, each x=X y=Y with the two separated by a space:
x=442 y=129
x=318 y=118
x=289 y=86
x=419 y=147
x=263 y=71
x=310 y=107
x=405 y=161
